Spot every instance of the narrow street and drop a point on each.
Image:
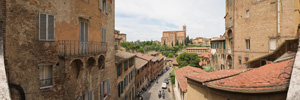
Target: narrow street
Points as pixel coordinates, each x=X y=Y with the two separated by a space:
x=152 y=93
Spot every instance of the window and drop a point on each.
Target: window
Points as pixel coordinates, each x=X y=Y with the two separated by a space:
x=125 y=82
x=247 y=14
x=246 y=59
x=230 y=22
x=273 y=44
x=230 y=2
x=46 y=27
x=240 y=60
x=120 y=88
x=46 y=75
x=119 y=69
x=103 y=34
x=126 y=65
x=247 y=44
x=105 y=88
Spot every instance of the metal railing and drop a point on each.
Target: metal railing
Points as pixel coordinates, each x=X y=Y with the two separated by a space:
x=45 y=82
x=78 y=48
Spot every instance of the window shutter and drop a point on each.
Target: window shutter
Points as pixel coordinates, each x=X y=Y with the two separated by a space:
x=101 y=91
x=108 y=86
x=51 y=27
x=81 y=31
x=104 y=35
x=86 y=35
x=42 y=26
x=100 y=4
x=106 y=6
x=90 y=95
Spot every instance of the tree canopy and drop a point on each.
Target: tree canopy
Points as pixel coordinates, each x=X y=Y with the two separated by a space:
x=190 y=59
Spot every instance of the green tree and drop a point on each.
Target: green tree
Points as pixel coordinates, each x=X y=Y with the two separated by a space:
x=172 y=43
x=141 y=49
x=190 y=59
x=164 y=42
x=171 y=55
x=176 y=43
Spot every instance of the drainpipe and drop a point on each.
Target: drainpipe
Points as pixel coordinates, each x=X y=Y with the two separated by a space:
x=278 y=18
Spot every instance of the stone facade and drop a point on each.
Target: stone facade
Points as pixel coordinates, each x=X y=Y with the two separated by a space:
x=62 y=65
x=201 y=41
x=117 y=40
x=251 y=33
x=218 y=49
x=171 y=37
x=141 y=78
x=198 y=50
x=125 y=64
x=123 y=37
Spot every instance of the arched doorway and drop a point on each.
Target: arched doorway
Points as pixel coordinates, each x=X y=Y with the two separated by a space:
x=229 y=62
x=101 y=62
x=76 y=67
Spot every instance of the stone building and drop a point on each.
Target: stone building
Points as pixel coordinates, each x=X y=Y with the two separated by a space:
x=170 y=38
x=117 y=40
x=257 y=27
x=201 y=41
x=218 y=54
x=60 y=50
x=141 y=78
x=149 y=64
x=158 y=64
x=125 y=64
x=204 y=59
x=123 y=37
x=198 y=50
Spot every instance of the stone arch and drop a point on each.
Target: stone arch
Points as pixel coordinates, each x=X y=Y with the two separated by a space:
x=17 y=91
x=101 y=62
x=76 y=67
x=91 y=62
x=229 y=62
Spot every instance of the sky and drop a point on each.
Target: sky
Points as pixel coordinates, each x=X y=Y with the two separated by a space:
x=145 y=20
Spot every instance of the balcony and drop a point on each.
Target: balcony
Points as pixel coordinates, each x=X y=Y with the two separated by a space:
x=68 y=48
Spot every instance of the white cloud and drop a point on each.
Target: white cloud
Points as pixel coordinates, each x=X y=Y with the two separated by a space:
x=147 y=19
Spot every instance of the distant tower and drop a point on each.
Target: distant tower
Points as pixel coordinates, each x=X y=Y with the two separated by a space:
x=184 y=28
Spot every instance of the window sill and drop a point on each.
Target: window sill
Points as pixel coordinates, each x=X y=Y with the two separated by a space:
x=46 y=87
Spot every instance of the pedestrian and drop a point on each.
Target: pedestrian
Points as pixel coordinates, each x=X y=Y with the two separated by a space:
x=159 y=94
x=163 y=95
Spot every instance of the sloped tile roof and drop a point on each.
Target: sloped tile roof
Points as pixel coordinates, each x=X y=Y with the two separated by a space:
x=209 y=76
x=268 y=78
x=180 y=75
x=121 y=56
x=144 y=56
x=206 y=55
x=139 y=63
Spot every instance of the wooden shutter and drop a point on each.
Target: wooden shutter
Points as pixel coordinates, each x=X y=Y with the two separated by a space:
x=81 y=31
x=51 y=27
x=106 y=6
x=104 y=35
x=86 y=32
x=42 y=26
x=101 y=4
x=90 y=95
x=108 y=86
x=101 y=91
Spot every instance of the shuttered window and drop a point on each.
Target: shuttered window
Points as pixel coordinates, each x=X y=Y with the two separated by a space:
x=103 y=34
x=105 y=89
x=90 y=95
x=101 y=4
x=106 y=7
x=273 y=44
x=46 y=27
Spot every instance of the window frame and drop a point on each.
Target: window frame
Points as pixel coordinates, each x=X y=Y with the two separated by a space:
x=272 y=49
x=52 y=74
x=47 y=27
x=240 y=60
x=248 y=44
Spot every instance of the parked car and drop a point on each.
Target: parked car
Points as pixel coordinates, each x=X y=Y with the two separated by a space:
x=166 y=81
x=164 y=86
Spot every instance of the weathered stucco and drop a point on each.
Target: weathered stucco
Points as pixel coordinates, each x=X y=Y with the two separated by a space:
x=294 y=87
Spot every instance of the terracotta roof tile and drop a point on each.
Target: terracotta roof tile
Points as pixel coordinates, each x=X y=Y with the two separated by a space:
x=271 y=77
x=180 y=75
x=139 y=63
x=209 y=76
x=144 y=56
x=175 y=62
x=206 y=55
x=121 y=56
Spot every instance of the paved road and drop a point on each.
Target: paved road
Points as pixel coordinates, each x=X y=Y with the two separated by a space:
x=152 y=93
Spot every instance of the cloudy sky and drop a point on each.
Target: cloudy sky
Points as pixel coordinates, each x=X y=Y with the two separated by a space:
x=147 y=19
